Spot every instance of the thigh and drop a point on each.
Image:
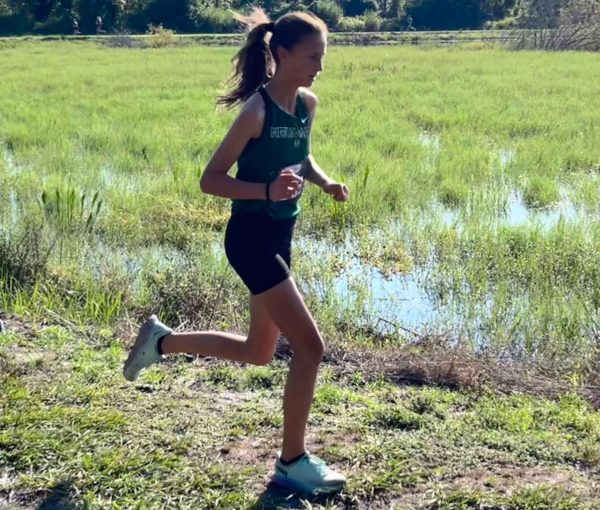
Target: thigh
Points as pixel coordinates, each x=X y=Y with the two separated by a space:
x=260 y=270
x=263 y=332
x=287 y=310
x=283 y=240
x=251 y=251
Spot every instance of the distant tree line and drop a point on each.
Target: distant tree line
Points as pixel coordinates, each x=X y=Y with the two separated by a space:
x=19 y=17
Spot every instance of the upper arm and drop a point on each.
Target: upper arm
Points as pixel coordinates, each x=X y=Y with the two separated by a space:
x=248 y=124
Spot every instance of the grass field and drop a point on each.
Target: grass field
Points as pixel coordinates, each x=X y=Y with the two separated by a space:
x=465 y=261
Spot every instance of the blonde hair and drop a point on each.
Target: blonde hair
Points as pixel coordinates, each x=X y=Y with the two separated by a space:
x=254 y=64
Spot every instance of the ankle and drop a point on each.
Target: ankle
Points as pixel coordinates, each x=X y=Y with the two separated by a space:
x=287 y=460
x=162 y=345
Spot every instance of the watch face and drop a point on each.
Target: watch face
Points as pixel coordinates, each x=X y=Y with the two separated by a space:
x=297 y=168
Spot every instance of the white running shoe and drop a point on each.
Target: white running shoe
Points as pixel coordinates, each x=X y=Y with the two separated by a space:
x=308 y=474
x=145 y=349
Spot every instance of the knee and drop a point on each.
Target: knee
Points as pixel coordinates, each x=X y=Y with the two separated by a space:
x=260 y=358
x=259 y=353
x=311 y=351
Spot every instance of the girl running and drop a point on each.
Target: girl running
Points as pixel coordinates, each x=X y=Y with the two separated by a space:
x=270 y=142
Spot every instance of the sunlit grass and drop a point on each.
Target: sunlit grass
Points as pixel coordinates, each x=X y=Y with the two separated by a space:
x=204 y=434
x=457 y=161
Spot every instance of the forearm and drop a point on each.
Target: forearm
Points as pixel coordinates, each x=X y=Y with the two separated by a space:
x=225 y=186
x=315 y=174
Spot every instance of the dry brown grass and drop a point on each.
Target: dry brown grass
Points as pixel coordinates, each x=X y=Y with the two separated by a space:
x=431 y=361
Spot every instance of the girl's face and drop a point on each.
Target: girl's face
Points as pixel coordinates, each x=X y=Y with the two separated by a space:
x=304 y=61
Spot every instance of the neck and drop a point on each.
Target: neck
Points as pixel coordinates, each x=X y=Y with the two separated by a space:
x=283 y=91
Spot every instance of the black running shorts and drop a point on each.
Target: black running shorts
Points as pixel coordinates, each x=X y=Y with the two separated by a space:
x=259 y=249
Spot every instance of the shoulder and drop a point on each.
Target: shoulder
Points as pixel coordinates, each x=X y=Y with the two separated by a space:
x=253 y=107
x=252 y=115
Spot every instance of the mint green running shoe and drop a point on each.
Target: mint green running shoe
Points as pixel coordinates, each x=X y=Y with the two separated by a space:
x=309 y=474
x=145 y=349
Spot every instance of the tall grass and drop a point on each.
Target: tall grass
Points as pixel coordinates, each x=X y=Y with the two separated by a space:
x=432 y=142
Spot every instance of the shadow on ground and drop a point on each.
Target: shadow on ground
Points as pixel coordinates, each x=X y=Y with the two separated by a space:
x=59 y=497
x=275 y=498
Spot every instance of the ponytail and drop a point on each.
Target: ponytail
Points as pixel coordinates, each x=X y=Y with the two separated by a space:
x=255 y=63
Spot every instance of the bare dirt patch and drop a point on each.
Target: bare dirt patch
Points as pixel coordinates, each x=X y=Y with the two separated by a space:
x=19 y=325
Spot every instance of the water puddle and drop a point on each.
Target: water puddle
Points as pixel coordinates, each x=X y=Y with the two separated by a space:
x=14 y=209
x=394 y=302
x=518 y=214
x=340 y=276
x=432 y=144
x=425 y=299
x=507 y=156
x=430 y=141
x=112 y=179
x=387 y=302
x=450 y=217
x=510 y=212
x=12 y=167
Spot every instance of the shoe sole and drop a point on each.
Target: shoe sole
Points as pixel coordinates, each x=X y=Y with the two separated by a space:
x=288 y=483
x=139 y=342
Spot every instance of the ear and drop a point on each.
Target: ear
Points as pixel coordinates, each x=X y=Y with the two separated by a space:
x=282 y=53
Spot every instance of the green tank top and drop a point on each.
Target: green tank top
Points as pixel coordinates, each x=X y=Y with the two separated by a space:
x=284 y=142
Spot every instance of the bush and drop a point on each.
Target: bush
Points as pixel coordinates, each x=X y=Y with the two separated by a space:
x=503 y=24
x=200 y=294
x=574 y=26
x=372 y=22
x=161 y=37
x=580 y=25
x=348 y=24
x=213 y=20
x=24 y=253
x=329 y=11
x=392 y=25
x=70 y=211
